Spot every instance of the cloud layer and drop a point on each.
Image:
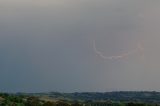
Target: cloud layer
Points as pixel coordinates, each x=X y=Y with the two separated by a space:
x=50 y=45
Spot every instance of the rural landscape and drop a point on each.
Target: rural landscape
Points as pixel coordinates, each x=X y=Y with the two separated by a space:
x=122 y=98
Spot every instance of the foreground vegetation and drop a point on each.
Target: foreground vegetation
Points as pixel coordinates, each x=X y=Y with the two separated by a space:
x=81 y=99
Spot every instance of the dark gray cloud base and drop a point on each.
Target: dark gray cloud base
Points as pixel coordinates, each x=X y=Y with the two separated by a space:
x=47 y=45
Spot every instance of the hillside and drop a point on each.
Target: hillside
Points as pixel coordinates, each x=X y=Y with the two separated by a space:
x=126 y=96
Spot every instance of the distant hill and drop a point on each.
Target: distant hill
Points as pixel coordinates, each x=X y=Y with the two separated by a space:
x=126 y=96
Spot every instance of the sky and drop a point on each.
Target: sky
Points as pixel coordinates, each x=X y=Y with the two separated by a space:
x=79 y=45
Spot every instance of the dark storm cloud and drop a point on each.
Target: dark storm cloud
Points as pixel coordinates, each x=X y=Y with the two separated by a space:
x=48 y=45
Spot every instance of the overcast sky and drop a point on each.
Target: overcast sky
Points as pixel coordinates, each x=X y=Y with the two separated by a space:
x=79 y=45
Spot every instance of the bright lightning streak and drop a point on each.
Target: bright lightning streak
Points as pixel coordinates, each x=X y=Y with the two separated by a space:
x=124 y=55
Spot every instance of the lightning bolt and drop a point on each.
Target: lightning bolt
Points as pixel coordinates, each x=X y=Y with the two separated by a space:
x=139 y=48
